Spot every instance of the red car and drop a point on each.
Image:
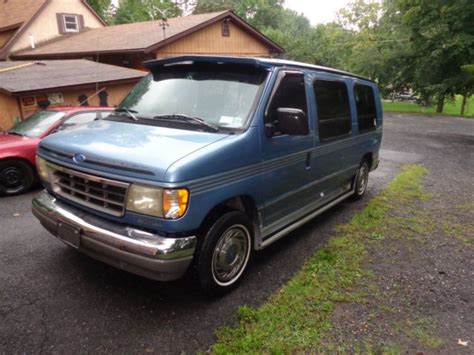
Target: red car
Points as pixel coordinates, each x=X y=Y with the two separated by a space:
x=18 y=145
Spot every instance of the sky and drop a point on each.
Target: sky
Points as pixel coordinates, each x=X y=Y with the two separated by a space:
x=318 y=11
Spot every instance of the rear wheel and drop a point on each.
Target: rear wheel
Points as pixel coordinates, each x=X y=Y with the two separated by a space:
x=16 y=177
x=361 y=180
x=225 y=253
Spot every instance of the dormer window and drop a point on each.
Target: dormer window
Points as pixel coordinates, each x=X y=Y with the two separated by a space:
x=225 y=28
x=71 y=23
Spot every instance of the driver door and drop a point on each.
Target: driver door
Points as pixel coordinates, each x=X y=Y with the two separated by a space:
x=286 y=157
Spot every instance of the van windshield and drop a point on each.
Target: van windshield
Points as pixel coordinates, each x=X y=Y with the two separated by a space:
x=220 y=95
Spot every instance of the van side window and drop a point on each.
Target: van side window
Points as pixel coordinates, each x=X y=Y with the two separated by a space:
x=290 y=94
x=334 y=114
x=365 y=103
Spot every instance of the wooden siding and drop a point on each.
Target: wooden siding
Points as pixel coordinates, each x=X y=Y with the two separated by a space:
x=116 y=95
x=209 y=40
x=11 y=110
x=5 y=36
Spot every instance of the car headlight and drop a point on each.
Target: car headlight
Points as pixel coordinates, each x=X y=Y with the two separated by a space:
x=158 y=202
x=41 y=167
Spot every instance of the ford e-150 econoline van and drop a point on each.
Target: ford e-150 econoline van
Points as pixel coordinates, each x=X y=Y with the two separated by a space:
x=207 y=160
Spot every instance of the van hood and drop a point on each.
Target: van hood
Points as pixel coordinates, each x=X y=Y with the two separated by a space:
x=127 y=149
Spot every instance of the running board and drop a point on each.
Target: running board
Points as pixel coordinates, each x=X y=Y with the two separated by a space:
x=302 y=221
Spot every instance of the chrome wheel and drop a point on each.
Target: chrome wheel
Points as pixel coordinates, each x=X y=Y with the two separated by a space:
x=362 y=179
x=231 y=255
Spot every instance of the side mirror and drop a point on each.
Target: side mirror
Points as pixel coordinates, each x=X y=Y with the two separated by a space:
x=292 y=121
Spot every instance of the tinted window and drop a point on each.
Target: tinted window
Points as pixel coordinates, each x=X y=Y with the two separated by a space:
x=365 y=103
x=77 y=120
x=290 y=94
x=334 y=114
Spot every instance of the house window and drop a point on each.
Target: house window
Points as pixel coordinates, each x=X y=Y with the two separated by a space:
x=71 y=23
x=225 y=28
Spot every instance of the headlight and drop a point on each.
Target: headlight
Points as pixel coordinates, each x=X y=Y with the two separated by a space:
x=42 y=169
x=154 y=201
x=146 y=200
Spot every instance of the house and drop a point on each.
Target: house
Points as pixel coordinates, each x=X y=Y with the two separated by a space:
x=220 y=33
x=60 y=52
x=28 y=23
x=26 y=86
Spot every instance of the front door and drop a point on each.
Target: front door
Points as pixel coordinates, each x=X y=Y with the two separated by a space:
x=286 y=158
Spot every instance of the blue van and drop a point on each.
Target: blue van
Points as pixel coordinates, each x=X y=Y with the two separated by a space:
x=207 y=160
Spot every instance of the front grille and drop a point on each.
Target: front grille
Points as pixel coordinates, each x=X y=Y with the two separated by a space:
x=102 y=194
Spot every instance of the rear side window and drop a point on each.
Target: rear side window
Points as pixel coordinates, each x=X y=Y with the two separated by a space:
x=290 y=94
x=334 y=114
x=365 y=103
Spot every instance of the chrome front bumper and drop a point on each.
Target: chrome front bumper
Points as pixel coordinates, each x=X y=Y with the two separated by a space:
x=136 y=251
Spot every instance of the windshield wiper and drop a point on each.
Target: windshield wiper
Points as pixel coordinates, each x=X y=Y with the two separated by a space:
x=190 y=119
x=15 y=133
x=130 y=113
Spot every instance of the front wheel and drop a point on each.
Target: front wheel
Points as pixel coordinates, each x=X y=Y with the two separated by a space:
x=361 y=180
x=225 y=253
x=16 y=177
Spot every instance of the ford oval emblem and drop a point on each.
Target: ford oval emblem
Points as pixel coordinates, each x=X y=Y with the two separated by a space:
x=79 y=158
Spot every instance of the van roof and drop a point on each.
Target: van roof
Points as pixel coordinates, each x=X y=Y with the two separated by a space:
x=258 y=62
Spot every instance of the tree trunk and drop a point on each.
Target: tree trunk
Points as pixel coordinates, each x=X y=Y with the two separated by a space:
x=440 y=105
x=463 y=105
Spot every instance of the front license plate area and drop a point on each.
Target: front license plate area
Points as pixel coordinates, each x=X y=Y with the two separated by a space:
x=69 y=234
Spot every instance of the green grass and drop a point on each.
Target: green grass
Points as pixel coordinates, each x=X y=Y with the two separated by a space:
x=450 y=108
x=296 y=318
x=424 y=332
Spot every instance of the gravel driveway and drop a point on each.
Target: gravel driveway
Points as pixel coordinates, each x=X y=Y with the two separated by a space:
x=54 y=299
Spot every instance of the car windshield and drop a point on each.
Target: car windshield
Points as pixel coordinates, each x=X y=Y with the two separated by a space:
x=37 y=124
x=220 y=95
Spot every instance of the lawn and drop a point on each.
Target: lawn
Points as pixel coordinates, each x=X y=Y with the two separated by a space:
x=452 y=108
x=298 y=317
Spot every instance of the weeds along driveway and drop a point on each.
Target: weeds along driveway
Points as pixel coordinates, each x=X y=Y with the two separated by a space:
x=54 y=299
x=398 y=278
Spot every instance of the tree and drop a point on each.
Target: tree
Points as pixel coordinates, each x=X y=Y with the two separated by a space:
x=412 y=43
x=145 y=10
x=332 y=45
x=374 y=42
x=100 y=6
x=467 y=88
x=293 y=32
x=360 y=15
x=259 y=13
x=441 y=41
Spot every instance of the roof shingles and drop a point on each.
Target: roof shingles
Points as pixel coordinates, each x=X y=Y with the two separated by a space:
x=132 y=37
x=16 y=12
x=15 y=77
x=120 y=38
